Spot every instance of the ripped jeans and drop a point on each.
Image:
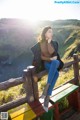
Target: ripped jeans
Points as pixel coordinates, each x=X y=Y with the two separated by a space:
x=53 y=73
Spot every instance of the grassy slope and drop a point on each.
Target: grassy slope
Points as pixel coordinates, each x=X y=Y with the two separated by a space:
x=68 y=37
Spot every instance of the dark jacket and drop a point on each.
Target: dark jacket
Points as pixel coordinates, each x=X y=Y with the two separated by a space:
x=55 y=45
x=38 y=62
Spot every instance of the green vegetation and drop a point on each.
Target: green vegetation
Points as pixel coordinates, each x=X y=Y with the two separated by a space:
x=16 y=39
x=11 y=94
x=18 y=91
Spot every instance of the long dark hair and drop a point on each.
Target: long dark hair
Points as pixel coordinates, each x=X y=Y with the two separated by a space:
x=42 y=35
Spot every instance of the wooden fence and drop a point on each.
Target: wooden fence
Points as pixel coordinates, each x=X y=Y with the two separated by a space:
x=31 y=87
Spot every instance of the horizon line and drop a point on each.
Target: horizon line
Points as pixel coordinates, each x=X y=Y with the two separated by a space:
x=41 y=19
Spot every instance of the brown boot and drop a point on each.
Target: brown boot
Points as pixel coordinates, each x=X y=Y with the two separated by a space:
x=44 y=94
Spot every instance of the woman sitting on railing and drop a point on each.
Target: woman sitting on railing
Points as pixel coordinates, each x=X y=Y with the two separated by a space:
x=51 y=63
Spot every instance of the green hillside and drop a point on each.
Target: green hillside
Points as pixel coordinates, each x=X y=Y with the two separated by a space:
x=17 y=37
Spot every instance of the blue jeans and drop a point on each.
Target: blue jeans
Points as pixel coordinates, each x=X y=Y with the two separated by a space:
x=53 y=73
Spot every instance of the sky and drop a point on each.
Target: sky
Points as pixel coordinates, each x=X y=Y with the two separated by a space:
x=34 y=10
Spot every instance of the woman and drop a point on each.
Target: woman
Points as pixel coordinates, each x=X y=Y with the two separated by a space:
x=49 y=56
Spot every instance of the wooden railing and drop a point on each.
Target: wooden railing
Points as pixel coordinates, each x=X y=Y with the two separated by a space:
x=31 y=87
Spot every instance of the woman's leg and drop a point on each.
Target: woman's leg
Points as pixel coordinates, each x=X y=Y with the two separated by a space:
x=52 y=77
x=47 y=67
x=52 y=70
x=53 y=74
x=53 y=83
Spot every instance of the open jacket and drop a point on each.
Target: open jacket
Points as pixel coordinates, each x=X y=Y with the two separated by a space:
x=48 y=50
x=39 y=57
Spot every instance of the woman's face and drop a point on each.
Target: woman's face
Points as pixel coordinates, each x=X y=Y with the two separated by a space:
x=49 y=34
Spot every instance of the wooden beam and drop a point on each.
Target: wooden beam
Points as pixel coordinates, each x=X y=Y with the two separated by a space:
x=41 y=74
x=16 y=81
x=12 y=104
x=29 y=84
x=11 y=83
x=68 y=64
x=79 y=59
x=20 y=101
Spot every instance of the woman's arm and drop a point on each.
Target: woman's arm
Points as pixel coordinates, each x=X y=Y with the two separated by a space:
x=48 y=58
x=54 y=58
x=45 y=58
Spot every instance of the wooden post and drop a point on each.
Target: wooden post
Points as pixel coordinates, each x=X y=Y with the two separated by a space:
x=76 y=69
x=56 y=111
x=34 y=79
x=74 y=100
x=27 y=83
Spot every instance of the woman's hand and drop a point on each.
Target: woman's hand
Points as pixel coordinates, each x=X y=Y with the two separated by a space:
x=49 y=40
x=53 y=58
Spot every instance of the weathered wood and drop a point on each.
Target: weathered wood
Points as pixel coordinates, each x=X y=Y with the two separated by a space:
x=12 y=104
x=16 y=81
x=28 y=76
x=20 y=101
x=34 y=84
x=41 y=74
x=78 y=59
x=68 y=64
x=74 y=100
x=28 y=85
x=37 y=107
x=11 y=83
x=56 y=112
x=76 y=69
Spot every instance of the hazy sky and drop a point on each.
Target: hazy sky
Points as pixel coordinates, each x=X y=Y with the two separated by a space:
x=38 y=10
